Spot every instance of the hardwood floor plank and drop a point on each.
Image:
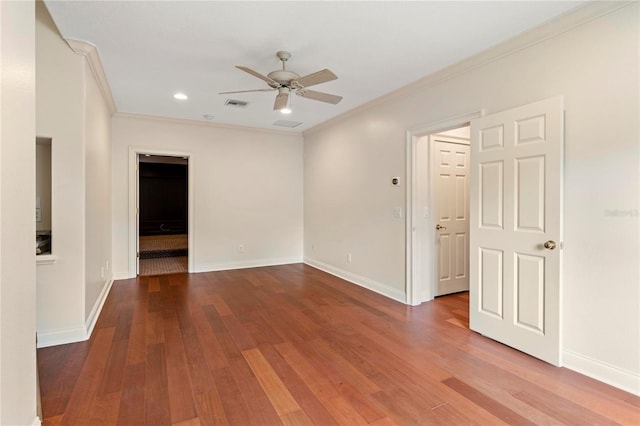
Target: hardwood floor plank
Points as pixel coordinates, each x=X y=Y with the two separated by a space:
x=157 y=405
x=562 y=409
x=259 y=406
x=233 y=403
x=132 y=397
x=276 y=391
x=178 y=378
x=104 y=410
x=210 y=408
x=85 y=391
x=293 y=345
x=209 y=344
x=306 y=399
x=344 y=412
x=317 y=382
x=489 y=404
x=59 y=369
x=114 y=371
x=220 y=305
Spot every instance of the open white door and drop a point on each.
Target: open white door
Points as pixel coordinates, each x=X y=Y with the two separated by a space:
x=516 y=228
x=451 y=208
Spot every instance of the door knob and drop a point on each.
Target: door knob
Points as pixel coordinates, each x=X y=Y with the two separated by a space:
x=550 y=245
x=439 y=227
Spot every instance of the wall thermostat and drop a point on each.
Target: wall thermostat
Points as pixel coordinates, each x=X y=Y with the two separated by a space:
x=395 y=181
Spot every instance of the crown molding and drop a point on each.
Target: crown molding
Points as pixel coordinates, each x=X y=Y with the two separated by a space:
x=189 y=122
x=90 y=52
x=561 y=24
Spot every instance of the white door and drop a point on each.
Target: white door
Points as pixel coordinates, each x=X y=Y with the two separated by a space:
x=451 y=189
x=515 y=230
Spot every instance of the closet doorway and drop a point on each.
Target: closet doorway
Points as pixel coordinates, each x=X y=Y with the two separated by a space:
x=163 y=214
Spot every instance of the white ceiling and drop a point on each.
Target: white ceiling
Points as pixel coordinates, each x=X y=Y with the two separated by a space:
x=152 y=49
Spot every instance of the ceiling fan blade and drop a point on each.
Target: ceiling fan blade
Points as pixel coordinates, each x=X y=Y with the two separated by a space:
x=246 y=91
x=281 y=101
x=260 y=76
x=319 y=96
x=316 y=78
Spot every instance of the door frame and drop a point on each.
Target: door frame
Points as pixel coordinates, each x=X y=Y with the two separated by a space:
x=134 y=151
x=418 y=274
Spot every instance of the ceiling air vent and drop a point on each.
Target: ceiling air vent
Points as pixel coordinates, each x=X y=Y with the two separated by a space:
x=287 y=123
x=236 y=103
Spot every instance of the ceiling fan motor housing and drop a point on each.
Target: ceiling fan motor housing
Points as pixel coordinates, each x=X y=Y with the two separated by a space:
x=283 y=77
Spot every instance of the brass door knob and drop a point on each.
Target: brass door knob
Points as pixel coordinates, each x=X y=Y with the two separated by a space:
x=439 y=227
x=550 y=245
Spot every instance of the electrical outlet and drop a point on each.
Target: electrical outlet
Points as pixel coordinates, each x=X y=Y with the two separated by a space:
x=101 y=272
x=349 y=258
x=241 y=248
x=313 y=247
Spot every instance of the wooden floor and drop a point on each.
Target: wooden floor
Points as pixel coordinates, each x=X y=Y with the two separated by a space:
x=293 y=345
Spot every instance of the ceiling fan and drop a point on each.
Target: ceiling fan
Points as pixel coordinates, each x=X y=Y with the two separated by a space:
x=287 y=82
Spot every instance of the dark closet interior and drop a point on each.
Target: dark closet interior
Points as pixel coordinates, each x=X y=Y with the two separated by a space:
x=163 y=199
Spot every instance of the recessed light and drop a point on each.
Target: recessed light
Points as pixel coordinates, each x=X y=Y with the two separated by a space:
x=180 y=96
x=285 y=110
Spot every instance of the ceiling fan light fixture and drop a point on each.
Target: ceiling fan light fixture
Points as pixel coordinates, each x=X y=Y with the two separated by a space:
x=286 y=109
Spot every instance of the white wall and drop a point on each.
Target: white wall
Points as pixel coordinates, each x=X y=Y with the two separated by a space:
x=247 y=191
x=97 y=140
x=350 y=160
x=17 y=224
x=71 y=111
x=59 y=116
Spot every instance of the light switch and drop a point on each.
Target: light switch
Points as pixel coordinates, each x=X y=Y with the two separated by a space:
x=397 y=212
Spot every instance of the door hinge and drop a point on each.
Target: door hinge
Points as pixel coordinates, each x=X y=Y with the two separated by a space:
x=137 y=254
x=137 y=210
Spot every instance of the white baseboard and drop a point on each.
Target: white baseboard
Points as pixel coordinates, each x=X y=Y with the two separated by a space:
x=254 y=263
x=97 y=308
x=76 y=334
x=121 y=275
x=367 y=283
x=607 y=373
x=61 y=337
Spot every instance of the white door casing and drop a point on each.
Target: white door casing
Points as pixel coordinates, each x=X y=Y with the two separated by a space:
x=137 y=214
x=516 y=209
x=451 y=212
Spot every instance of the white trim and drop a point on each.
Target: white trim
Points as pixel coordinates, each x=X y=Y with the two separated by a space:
x=186 y=121
x=361 y=281
x=602 y=371
x=46 y=259
x=121 y=275
x=134 y=151
x=255 y=263
x=77 y=334
x=572 y=19
x=97 y=308
x=61 y=337
x=413 y=247
x=90 y=52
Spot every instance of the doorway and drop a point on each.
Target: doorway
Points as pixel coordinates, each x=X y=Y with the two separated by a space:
x=449 y=184
x=163 y=206
x=422 y=263
x=515 y=234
